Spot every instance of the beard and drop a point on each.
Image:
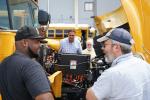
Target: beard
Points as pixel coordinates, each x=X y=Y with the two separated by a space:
x=89 y=49
x=109 y=58
x=32 y=54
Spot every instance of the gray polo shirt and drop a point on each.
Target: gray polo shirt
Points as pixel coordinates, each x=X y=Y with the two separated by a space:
x=22 y=78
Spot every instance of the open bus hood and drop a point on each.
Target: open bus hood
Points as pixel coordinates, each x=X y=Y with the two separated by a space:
x=137 y=14
x=114 y=19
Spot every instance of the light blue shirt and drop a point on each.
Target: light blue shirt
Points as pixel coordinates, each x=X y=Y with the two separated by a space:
x=67 y=47
x=127 y=79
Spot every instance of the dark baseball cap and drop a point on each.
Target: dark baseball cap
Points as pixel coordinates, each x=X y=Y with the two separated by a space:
x=118 y=34
x=27 y=32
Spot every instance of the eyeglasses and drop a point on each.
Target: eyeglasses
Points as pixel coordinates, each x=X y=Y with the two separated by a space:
x=104 y=45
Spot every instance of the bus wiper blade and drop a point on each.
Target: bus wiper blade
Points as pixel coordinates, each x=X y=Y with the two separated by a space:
x=3 y=28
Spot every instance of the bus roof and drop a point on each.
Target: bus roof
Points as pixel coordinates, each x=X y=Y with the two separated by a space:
x=69 y=25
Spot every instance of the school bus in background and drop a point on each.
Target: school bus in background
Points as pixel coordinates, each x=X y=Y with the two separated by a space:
x=134 y=15
x=56 y=32
x=13 y=15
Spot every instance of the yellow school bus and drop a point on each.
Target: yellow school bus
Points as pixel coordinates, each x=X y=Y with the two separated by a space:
x=56 y=32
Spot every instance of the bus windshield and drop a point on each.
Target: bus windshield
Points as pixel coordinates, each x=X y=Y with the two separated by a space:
x=4 y=21
x=20 y=13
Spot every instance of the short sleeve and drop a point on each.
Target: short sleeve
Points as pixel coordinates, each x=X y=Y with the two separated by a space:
x=80 y=47
x=35 y=79
x=102 y=87
x=60 y=49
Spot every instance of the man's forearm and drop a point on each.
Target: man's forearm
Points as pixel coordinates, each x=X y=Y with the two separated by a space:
x=45 y=96
x=90 y=95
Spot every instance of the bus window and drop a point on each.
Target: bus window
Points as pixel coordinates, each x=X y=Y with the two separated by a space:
x=50 y=33
x=59 y=33
x=66 y=33
x=21 y=14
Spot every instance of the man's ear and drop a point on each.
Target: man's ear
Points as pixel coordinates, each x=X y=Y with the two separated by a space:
x=24 y=42
x=117 y=47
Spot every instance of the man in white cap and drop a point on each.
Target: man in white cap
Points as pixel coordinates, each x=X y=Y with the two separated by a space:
x=128 y=78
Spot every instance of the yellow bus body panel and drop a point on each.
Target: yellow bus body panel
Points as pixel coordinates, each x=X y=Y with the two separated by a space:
x=138 y=15
x=56 y=83
x=7 y=44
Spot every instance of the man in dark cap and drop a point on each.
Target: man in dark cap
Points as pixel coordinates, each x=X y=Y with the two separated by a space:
x=22 y=78
x=128 y=78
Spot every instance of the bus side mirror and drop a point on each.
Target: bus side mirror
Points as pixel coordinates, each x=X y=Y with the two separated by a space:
x=43 y=17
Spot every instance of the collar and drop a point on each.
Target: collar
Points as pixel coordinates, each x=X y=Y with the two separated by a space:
x=20 y=53
x=70 y=42
x=121 y=58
